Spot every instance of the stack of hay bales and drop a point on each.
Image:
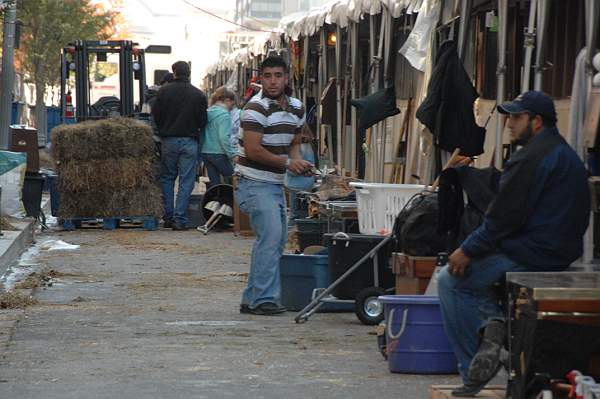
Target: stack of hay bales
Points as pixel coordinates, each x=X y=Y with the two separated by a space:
x=106 y=168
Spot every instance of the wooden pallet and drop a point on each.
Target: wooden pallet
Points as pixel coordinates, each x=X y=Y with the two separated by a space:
x=147 y=222
x=491 y=392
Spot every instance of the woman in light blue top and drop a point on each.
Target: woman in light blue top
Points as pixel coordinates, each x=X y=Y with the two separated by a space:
x=217 y=150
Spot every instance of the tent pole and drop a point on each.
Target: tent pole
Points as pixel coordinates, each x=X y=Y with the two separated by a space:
x=529 y=45
x=353 y=26
x=542 y=18
x=465 y=19
x=387 y=17
x=305 y=74
x=501 y=70
x=338 y=95
x=373 y=138
x=320 y=131
x=592 y=10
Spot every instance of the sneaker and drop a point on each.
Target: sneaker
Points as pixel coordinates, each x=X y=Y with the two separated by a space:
x=487 y=361
x=179 y=227
x=168 y=223
x=266 y=309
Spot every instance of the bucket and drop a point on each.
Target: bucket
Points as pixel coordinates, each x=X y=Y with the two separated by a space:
x=416 y=340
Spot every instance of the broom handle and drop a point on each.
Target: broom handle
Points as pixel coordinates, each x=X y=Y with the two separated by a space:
x=209 y=227
x=450 y=162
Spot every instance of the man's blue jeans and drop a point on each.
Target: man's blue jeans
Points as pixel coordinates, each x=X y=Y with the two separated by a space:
x=265 y=204
x=217 y=165
x=468 y=302
x=179 y=157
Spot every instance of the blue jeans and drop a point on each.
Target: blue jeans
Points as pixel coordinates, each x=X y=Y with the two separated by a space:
x=179 y=157
x=217 y=165
x=265 y=204
x=468 y=302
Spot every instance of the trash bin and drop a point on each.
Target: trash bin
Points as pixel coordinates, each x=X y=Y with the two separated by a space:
x=32 y=194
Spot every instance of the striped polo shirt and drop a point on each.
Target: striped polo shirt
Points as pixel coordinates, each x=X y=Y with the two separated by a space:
x=278 y=126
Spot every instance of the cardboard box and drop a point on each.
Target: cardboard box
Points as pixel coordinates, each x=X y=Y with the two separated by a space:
x=412 y=273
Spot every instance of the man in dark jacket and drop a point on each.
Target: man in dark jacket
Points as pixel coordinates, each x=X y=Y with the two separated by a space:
x=535 y=223
x=180 y=114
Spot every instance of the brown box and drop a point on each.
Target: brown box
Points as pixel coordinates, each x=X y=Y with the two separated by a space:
x=420 y=266
x=411 y=285
x=412 y=273
x=413 y=266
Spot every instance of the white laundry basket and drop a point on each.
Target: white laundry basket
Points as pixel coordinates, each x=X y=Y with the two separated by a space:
x=379 y=204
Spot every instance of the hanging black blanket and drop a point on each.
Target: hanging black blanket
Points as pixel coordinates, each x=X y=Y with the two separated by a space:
x=448 y=108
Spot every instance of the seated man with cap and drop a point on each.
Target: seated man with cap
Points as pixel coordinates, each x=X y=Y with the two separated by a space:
x=535 y=223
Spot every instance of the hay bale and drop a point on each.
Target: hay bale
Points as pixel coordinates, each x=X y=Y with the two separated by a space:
x=106 y=168
x=102 y=139
x=112 y=203
x=123 y=173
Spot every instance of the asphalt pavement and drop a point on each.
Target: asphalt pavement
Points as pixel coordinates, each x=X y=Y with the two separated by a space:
x=154 y=314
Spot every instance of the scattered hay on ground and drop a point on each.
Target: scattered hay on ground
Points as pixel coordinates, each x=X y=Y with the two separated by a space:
x=5 y=224
x=16 y=300
x=45 y=278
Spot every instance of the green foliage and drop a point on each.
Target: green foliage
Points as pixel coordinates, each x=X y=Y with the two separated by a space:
x=49 y=25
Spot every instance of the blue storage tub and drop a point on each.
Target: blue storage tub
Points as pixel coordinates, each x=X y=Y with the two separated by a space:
x=416 y=340
x=300 y=275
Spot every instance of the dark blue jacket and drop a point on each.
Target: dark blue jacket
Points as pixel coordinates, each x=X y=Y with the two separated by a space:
x=542 y=209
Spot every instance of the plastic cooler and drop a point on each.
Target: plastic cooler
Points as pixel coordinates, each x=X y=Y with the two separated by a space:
x=379 y=204
x=300 y=275
x=416 y=341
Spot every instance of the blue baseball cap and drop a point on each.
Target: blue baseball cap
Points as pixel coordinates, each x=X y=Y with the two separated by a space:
x=534 y=102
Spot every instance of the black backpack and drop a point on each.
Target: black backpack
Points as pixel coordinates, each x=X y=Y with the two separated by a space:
x=416 y=230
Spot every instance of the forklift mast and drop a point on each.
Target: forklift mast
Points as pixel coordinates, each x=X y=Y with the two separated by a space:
x=75 y=59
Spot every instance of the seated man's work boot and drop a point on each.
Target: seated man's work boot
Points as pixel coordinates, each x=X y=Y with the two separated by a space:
x=469 y=389
x=487 y=361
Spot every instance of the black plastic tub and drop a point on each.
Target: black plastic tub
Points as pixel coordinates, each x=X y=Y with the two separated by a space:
x=308 y=238
x=310 y=225
x=347 y=249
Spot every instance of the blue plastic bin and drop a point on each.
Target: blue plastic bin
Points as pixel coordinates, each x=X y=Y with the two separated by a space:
x=416 y=340
x=54 y=119
x=300 y=275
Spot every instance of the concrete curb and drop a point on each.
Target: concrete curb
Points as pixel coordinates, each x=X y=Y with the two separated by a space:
x=14 y=243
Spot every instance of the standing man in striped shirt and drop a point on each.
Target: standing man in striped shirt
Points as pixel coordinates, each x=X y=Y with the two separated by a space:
x=269 y=144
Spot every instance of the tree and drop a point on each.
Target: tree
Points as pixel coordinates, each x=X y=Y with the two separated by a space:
x=48 y=26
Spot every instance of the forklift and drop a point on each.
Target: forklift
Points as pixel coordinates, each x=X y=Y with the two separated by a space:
x=75 y=59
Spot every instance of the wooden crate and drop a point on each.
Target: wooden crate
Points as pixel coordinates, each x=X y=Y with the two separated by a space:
x=412 y=273
x=444 y=391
